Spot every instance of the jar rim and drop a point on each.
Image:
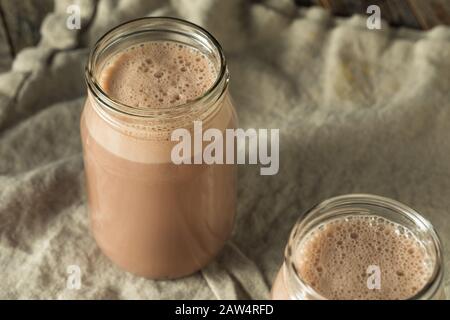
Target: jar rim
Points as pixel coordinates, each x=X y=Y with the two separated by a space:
x=436 y=278
x=221 y=81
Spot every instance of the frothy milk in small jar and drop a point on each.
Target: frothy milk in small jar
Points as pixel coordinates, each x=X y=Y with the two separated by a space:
x=361 y=247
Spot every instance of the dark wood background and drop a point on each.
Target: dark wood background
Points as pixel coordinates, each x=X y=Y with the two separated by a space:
x=418 y=14
x=20 y=20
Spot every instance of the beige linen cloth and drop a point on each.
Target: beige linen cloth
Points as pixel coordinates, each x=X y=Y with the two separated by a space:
x=358 y=111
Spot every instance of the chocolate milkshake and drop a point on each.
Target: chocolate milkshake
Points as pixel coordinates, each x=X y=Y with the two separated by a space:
x=148 y=215
x=362 y=256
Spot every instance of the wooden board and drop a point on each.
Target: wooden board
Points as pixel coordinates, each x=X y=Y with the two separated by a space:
x=6 y=55
x=419 y=14
x=20 y=20
x=20 y=23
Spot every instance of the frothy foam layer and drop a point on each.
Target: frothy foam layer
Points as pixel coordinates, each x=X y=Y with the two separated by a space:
x=334 y=258
x=131 y=77
x=157 y=74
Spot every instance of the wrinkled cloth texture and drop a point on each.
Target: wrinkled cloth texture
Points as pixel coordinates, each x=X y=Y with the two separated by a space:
x=359 y=111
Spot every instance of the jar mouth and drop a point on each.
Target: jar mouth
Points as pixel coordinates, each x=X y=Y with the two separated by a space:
x=169 y=25
x=309 y=220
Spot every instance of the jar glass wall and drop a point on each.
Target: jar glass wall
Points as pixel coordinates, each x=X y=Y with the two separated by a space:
x=290 y=282
x=150 y=216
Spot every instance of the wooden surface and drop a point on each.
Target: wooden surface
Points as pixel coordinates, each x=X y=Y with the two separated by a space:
x=5 y=53
x=20 y=22
x=418 y=14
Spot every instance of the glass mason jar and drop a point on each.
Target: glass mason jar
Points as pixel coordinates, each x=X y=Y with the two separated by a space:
x=150 y=216
x=289 y=283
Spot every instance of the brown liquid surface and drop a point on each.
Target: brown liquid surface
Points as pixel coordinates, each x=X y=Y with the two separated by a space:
x=158 y=74
x=334 y=258
x=149 y=216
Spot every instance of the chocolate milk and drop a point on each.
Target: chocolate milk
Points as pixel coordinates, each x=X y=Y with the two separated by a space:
x=157 y=74
x=334 y=258
x=148 y=215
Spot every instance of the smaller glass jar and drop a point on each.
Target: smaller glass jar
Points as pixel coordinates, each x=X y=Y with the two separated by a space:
x=289 y=284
